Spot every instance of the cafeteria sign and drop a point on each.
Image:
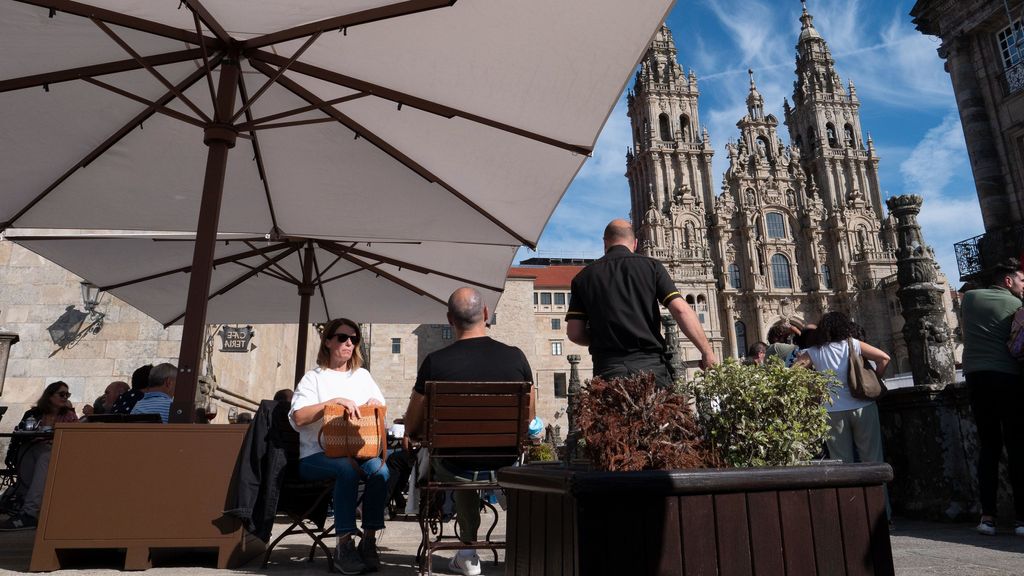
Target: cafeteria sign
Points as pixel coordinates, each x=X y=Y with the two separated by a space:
x=236 y=338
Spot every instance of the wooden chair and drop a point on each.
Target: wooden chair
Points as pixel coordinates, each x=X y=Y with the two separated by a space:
x=468 y=420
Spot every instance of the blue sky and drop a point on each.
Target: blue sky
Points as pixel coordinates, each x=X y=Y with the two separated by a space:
x=907 y=105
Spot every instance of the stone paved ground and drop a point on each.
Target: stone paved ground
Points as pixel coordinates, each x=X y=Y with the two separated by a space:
x=919 y=549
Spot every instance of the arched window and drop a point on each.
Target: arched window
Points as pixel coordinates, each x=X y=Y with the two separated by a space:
x=763 y=148
x=830 y=132
x=735 y=280
x=776 y=225
x=780 y=272
x=848 y=136
x=826 y=276
x=684 y=127
x=741 y=339
x=701 y=308
x=665 y=128
x=690 y=300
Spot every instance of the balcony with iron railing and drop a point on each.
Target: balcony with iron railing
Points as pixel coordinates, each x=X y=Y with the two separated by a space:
x=1013 y=79
x=977 y=254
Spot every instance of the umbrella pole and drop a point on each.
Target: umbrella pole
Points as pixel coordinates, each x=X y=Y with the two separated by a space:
x=219 y=138
x=305 y=293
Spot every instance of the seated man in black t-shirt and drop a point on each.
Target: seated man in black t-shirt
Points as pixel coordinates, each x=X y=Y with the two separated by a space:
x=473 y=357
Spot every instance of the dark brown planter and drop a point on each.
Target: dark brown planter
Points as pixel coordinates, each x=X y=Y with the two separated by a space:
x=822 y=519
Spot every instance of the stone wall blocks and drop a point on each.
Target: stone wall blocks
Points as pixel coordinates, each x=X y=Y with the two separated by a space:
x=113 y=330
x=140 y=350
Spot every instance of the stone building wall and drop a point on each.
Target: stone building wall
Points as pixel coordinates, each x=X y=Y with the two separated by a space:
x=35 y=292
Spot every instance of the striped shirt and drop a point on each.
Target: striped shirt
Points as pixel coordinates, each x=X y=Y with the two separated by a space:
x=154 y=403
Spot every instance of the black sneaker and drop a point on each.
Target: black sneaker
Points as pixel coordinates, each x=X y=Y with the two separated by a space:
x=368 y=553
x=347 y=560
x=19 y=522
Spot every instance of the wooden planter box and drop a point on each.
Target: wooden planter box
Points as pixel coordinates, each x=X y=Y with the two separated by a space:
x=141 y=487
x=820 y=519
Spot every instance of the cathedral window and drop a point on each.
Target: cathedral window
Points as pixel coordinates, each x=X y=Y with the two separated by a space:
x=665 y=128
x=735 y=280
x=776 y=225
x=684 y=126
x=826 y=276
x=763 y=149
x=780 y=272
x=830 y=131
x=702 y=308
x=741 y=339
x=1008 y=46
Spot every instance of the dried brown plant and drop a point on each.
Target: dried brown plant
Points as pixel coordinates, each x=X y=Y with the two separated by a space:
x=632 y=424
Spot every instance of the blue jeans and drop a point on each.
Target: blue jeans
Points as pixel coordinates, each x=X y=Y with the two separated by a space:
x=346 y=489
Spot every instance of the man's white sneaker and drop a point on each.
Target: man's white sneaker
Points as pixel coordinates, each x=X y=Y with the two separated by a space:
x=986 y=527
x=465 y=562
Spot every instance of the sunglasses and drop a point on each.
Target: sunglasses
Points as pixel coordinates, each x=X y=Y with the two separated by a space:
x=64 y=395
x=341 y=337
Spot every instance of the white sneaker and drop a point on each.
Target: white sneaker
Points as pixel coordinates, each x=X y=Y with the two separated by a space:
x=465 y=562
x=987 y=528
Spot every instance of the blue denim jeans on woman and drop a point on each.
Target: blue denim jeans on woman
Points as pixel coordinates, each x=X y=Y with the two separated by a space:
x=346 y=489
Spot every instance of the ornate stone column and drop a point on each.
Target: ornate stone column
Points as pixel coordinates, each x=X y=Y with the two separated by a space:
x=7 y=339
x=573 y=434
x=927 y=336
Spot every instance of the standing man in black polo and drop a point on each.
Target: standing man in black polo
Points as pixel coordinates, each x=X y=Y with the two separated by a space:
x=616 y=311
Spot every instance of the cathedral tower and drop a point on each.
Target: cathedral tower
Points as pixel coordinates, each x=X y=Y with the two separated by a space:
x=669 y=173
x=856 y=243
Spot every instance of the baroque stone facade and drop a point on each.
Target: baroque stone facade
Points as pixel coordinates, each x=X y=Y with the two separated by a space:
x=796 y=230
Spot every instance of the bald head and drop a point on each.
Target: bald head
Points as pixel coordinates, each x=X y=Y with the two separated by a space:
x=619 y=232
x=466 y=309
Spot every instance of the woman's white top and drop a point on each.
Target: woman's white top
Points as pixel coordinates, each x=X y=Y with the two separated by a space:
x=322 y=384
x=835 y=356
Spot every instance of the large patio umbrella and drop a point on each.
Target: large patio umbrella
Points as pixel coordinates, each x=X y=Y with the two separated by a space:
x=371 y=119
x=281 y=280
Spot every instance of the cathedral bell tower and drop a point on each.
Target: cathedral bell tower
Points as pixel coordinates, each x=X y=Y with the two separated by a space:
x=841 y=168
x=669 y=173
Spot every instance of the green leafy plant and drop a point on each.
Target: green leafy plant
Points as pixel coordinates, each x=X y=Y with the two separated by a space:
x=762 y=415
x=542 y=452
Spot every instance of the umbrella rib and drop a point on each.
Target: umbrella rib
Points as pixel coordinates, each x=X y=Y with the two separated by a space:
x=277 y=266
x=413 y=101
x=259 y=123
x=273 y=125
x=373 y=268
x=113 y=139
x=184 y=269
x=409 y=265
x=341 y=22
x=206 y=61
x=267 y=271
x=131 y=52
x=342 y=275
x=388 y=149
x=270 y=81
x=237 y=281
x=161 y=109
x=203 y=14
x=258 y=153
x=125 y=21
x=97 y=70
x=320 y=284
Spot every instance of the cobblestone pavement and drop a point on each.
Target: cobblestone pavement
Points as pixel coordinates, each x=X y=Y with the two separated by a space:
x=919 y=549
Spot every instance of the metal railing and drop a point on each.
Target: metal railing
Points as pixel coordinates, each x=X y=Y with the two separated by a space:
x=975 y=255
x=1013 y=79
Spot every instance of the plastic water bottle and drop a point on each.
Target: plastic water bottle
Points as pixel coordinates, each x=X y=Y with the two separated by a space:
x=31 y=423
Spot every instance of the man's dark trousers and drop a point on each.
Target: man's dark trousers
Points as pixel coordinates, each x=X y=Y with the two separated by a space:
x=997 y=400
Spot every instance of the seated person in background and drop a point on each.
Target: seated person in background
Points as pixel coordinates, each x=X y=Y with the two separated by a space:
x=105 y=403
x=157 y=396
x=244 y=418
x=126 y=401
x=756 y=354
x=33 y=455
x=284 y=395
x=473 y=357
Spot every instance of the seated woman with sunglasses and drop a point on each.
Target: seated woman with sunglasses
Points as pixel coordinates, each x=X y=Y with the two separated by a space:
x=340 y=379
x=31 y=457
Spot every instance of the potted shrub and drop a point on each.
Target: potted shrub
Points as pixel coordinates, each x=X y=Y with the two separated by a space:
x=692 y=481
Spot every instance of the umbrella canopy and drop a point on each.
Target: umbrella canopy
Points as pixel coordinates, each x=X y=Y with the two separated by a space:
x=282 y=280
x=458 y=122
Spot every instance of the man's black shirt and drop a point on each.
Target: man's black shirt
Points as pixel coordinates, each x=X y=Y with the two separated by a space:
x=619 y=295
x=480 y=359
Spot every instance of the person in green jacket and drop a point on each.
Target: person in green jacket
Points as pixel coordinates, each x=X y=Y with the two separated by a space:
x=995 y=388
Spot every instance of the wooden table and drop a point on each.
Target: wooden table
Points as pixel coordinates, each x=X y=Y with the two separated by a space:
x=139 y=487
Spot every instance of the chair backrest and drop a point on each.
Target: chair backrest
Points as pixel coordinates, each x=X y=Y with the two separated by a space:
x=486 y=418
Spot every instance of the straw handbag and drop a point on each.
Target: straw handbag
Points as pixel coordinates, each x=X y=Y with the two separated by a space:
x=360 y=438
